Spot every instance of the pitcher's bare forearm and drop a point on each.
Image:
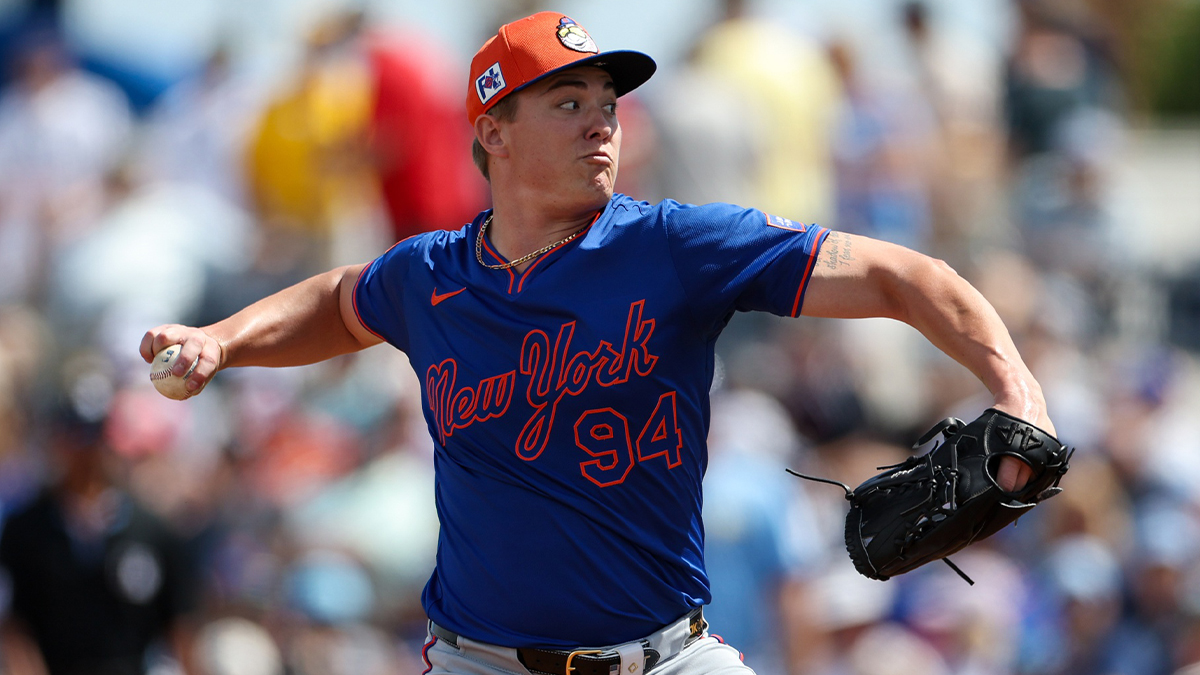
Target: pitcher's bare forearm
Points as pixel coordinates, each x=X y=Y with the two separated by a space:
x=306 y=323
x=858 y=277
x=957 y=319
x=297 y=326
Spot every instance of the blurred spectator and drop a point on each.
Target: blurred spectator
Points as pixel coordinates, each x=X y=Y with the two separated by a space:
x=1152 y=432
x=808 y=368
x=61 y=132
x=1052 y=72
x=1104 y=636
x=751 y=545
x=116 y=275
x=1183 y=300
x=19 y=18
x=100 y=586
x=792 y=92
x=336 y=595
x=973 y=632
x=350 y=513
x=421 y=139
x=1061 y=103
x=829 y=614
x=883 y=154
x=196 y=131
x=309 y=166
x=236 y=646
x=708 y=151
x=957 y=85
x=24 y=340
x=958 y=77
x=1078 y=609
x=892 y=649
x=1066 y=227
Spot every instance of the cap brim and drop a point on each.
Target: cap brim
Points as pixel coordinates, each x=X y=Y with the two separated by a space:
x=629 y=69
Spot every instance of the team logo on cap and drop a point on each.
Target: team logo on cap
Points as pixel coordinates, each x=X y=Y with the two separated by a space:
x=573 y=36
x=490 y=83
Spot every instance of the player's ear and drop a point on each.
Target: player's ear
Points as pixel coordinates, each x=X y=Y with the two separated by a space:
x=488 y=133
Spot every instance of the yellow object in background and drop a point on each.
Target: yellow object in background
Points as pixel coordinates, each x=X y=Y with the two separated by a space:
x=308 y=158
x=788 y=81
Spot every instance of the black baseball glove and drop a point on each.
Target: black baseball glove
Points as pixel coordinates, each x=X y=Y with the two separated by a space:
x=932 y=505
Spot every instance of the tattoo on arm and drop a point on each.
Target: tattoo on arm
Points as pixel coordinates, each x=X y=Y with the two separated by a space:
x=836 y=251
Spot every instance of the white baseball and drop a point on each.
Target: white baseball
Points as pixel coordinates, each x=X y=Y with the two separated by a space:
x=171 y=386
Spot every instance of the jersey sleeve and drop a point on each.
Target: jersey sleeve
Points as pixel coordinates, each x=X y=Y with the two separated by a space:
x=379 y=293
x=733 y=258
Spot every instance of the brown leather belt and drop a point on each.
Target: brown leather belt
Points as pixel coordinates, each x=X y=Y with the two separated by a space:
x=581 y=661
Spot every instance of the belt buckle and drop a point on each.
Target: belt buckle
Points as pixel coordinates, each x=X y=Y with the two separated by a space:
x=578 y=652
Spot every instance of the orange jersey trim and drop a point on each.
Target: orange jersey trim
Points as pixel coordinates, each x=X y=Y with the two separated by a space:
x=354 y=298
x=511 y=276
x=812 y=260
x=354 y=294
x=525 y=275
x=545 y=255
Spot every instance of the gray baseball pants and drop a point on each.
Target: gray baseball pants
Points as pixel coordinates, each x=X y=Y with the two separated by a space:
x=707 y=655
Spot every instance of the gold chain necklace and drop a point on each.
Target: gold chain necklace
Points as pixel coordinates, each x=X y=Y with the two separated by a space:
x=524 y=258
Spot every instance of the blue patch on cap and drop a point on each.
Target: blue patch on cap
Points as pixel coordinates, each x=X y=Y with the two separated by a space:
x=490 y=83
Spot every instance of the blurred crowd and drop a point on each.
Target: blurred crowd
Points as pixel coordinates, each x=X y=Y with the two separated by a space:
x=283 y=521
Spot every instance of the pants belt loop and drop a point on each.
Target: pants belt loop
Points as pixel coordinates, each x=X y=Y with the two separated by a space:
x=633 y=658
x=685 y=630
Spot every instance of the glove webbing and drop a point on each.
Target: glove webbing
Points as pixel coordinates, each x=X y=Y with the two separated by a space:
x=850 y=496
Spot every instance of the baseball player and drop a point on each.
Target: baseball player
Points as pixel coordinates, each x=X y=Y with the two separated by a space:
x=564 y=341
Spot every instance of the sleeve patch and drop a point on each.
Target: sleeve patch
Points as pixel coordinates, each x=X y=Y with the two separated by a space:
x=785 y=224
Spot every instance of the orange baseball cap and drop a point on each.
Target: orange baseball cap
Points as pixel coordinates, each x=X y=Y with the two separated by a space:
x=526 y=50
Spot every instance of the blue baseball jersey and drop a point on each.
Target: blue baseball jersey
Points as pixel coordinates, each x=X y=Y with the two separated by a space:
x=569 y=409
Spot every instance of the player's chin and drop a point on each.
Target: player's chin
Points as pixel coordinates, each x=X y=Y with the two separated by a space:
x=598 y=196
x=602 y=184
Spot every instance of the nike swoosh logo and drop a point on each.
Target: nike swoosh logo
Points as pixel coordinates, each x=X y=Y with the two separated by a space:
x=436 y=299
